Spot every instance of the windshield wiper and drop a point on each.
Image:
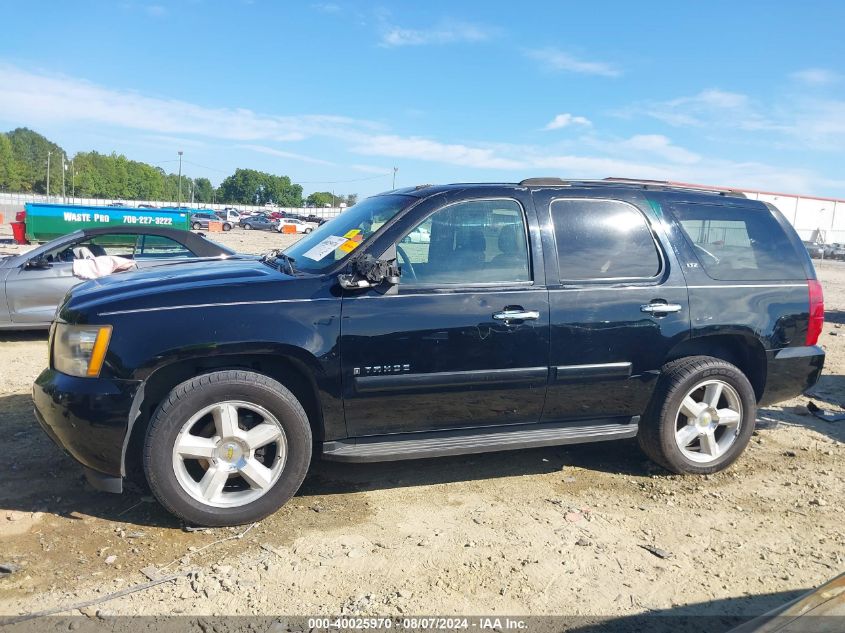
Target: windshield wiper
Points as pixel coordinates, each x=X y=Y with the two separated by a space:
x=277 y=254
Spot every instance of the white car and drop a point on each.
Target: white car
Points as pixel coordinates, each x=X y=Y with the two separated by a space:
x=419 y=235
x=300 y=225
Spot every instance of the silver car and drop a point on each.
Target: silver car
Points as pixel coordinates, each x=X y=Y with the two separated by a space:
x=33 y=284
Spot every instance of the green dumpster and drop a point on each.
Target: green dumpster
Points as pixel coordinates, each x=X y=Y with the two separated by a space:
x=45 y=222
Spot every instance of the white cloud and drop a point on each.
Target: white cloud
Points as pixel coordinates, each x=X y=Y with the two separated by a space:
x=326 y=7
x=371 y=169
x=658 y=145
x=445 y=33
x=555 y=59
x=271 y=151
x=565 y=120
x=37 y=99
x=40 y=98
x=155 y=10
x=429 y=150
x=708 y=108
x=816 y=76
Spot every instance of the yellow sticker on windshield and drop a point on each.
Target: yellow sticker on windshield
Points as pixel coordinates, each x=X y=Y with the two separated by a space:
x=348 y=246
x=352 y=233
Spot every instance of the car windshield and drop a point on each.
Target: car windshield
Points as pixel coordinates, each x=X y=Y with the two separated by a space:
x=336 y=239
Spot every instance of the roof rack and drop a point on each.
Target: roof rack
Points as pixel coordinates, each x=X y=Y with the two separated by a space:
x=668 y=184
x=542 y=182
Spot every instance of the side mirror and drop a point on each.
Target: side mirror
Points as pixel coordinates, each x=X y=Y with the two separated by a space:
x=38 y=263
x=368 y=272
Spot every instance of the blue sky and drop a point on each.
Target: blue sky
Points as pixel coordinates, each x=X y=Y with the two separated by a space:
x=335 y=94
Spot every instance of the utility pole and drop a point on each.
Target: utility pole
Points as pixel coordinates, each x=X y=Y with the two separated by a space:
x=192 y=193
x=179 y=194
x=72 y=182
x=64 y=167
x=395 y=169
x=48 y=175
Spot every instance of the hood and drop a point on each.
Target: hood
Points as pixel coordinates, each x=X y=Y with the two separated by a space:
x=189 y=282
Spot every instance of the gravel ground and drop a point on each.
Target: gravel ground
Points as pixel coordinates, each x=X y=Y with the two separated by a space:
x=592 y=530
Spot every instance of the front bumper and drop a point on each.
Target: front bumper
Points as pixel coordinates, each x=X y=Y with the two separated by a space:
x=791 y=371
x=88 y=418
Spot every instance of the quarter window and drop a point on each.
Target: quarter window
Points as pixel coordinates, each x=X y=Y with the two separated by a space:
x=603 y=239
x=739 y=243
x=479 y=241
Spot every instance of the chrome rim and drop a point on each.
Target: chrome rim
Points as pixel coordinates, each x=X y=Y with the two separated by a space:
x=708 y=421
x=229 y=454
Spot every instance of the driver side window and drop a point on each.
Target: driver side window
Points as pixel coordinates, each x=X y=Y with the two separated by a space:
x=479 y=241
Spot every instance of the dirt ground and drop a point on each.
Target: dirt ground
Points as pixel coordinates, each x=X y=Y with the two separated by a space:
x=591 y=530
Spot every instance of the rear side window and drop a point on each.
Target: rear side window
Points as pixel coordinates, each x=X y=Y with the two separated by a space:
x=603 y=239
x=737 y=243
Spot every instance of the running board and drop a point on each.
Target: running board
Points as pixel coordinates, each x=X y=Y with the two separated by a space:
x=383 y=448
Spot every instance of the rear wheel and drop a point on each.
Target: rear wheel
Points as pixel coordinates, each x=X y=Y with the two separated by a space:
x=196 y=226
x=227 y=448
x=701 y=416
x=227 y=227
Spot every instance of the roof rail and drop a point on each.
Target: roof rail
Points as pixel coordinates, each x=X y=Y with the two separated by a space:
x=541 y=182
x=668 y=184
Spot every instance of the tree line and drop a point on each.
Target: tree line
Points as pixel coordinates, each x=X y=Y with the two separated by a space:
x=23 y=168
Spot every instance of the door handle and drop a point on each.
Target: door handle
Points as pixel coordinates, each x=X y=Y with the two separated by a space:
x=661 y=308
x=516 y=315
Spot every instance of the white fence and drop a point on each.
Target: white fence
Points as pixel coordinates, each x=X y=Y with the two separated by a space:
x=12 y=202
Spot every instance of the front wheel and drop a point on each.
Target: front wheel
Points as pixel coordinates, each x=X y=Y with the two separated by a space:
x=248 y=227
x=196 y=226
x=227 y=448
x=701 y=416
x=308 y=230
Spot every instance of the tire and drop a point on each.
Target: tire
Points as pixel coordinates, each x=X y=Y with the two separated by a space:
x=248 y=227
x=227 y=227
x=308 y=230
x=180 y=420
x=667 y=424
x=196 y=226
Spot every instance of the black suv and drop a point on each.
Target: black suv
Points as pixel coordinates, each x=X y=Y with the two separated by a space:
x=541 y=313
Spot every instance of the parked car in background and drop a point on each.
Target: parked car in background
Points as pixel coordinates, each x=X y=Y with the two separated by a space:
x=147 y=206
x=545 y=312
x=258 y=221
x=300 y=226
x=316 y=219
x=816 y=251
x=835 y=251
x=200 y=221
x=232 y=216
x=32 y=284
x=419 y=235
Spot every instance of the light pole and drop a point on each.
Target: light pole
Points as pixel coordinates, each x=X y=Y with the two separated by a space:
x=179 y=194
x=395 y=169
x=48 y=175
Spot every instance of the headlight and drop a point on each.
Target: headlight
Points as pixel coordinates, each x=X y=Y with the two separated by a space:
x=79 y=350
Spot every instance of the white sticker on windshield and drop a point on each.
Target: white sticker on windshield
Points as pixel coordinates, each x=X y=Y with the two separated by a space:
x=324 y=248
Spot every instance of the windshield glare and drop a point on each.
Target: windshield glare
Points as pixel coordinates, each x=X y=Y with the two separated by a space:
x=338 y=238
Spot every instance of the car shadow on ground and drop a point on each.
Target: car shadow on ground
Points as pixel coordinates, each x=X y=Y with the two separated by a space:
x=23 y=335
x=40 y=477
x=717 y=616
x=621 y=457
